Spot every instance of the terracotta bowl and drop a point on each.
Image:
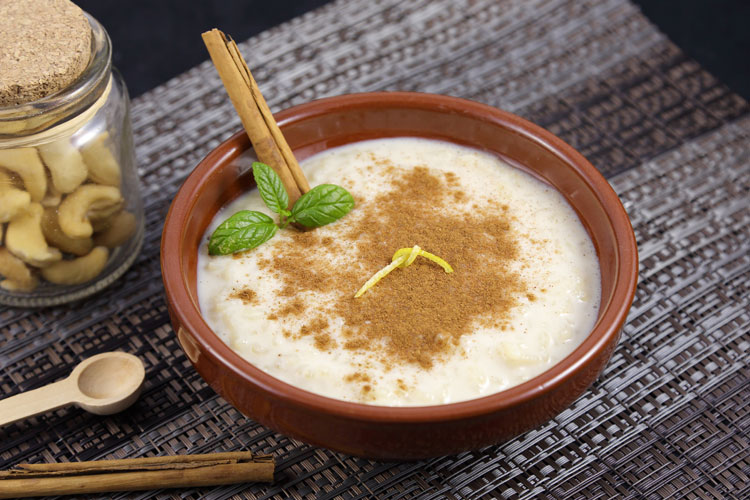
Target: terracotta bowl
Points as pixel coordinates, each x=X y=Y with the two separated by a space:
x=400 y=433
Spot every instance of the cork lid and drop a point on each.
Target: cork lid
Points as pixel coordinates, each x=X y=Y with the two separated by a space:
x=46 y=45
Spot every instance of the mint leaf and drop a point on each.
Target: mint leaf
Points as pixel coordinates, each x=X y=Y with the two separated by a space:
x=322 y=205
x=244 y=230
x=271 y=188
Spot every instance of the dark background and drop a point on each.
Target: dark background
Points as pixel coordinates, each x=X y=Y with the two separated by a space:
x=156 y=40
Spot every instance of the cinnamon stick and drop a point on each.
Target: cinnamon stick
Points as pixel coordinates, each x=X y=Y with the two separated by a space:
x=265 y=135
x=180 y=471
x=273 y=127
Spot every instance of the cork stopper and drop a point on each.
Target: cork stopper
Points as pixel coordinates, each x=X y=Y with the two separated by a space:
x=46 y=46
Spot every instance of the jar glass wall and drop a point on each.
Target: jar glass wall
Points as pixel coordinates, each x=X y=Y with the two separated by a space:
x=71 y=218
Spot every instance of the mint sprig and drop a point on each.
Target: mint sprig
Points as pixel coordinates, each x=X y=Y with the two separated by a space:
x=244 y=230
x=247 y=229
x=271 y=188
x=322 y=205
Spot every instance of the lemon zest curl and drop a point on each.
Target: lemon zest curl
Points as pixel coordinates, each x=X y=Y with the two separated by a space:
x=402 y=258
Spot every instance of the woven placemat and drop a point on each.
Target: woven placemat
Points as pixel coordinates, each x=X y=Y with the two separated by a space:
x=667 y=418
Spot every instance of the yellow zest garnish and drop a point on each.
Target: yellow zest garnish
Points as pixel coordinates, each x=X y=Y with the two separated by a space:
x=380 y=275
x=411 y=253
x=434 y=258
x=402 y=258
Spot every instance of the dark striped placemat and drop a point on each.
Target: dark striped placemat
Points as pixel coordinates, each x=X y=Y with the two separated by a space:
x=668 y=417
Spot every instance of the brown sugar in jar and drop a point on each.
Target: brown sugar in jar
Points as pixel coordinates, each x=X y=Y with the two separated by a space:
x=71 y=220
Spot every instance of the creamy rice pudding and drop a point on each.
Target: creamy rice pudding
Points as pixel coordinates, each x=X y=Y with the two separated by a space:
x=524 y=291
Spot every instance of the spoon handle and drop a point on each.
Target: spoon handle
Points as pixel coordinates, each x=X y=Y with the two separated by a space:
x=30 y=403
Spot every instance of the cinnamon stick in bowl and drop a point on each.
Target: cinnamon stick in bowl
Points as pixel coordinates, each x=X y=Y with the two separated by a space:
x=266 y=137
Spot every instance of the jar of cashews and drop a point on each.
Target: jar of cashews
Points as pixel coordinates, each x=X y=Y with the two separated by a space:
x=71 y=219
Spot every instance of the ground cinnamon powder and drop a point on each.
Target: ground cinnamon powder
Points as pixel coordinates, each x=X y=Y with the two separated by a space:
x=246 y=295
x=416 y=315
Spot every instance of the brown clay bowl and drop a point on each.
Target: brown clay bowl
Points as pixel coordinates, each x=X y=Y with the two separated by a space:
x=400 y=432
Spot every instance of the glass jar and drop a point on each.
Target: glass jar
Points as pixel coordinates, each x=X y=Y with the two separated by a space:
x=71 y=218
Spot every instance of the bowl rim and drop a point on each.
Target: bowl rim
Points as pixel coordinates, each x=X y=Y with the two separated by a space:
x=604 y=334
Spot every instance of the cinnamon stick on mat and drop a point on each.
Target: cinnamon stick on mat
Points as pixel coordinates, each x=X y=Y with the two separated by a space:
x=180 y=471
x=265 y=135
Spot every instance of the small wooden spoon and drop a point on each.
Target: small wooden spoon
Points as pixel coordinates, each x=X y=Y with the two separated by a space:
x=102 y=384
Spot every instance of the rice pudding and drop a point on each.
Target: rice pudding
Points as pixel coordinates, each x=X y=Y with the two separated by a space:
x=525 y=291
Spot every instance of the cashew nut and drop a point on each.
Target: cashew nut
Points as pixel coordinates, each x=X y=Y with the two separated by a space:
x=18 y=276
x=73 y=212
x=52 y=198
x=12 y=201
x=120 y=230
x=25 y=240
x=55 y=236
x=102 y=165
x=65 y=164
x=100 y=222
x=26 y=163
x=77 y=271
x=101 y=218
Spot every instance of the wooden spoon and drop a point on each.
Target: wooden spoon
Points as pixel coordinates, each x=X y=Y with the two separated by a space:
x=102 y=384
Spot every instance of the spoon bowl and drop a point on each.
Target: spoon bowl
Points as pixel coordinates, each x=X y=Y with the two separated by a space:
x=109 y=382
x=103 y=384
